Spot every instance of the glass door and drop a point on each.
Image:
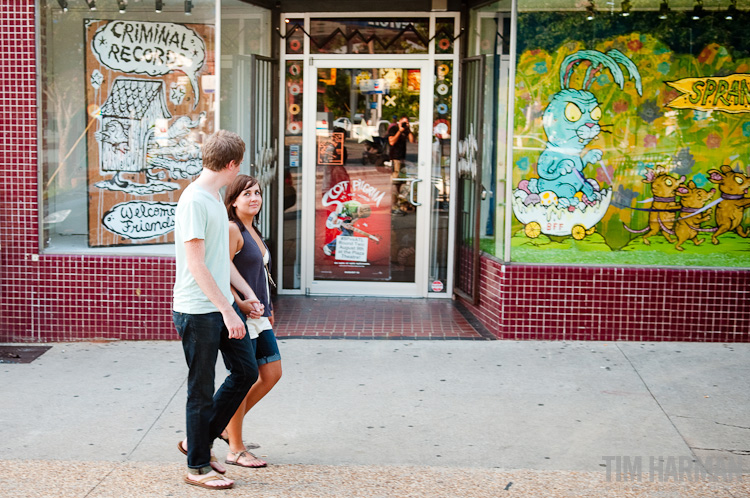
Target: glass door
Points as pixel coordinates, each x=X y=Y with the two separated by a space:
x=368 y=177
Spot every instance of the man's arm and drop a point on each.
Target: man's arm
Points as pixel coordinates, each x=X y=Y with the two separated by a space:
x=392 y=139
x=195 y=253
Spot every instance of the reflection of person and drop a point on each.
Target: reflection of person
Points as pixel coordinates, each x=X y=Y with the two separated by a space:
x=343 y=218
x=398 y=135
x=205 y=313
x=252 y=259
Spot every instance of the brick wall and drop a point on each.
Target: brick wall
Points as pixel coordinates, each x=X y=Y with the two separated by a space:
x=608 y=304
x=52 y=297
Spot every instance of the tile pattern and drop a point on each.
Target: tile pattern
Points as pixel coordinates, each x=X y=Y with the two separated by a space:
x=77 y=297
x=612 y=304
x=53 y=297
x=371 y=318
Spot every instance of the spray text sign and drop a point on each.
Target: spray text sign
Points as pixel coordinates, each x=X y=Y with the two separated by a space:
x=721 y=93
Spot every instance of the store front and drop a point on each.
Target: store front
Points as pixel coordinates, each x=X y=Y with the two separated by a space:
x=416 y=150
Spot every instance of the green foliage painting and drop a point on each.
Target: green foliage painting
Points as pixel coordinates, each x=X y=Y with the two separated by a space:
x=631 y=147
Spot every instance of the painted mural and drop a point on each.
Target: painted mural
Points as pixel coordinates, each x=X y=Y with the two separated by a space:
x=150 y=98
x=627 y=151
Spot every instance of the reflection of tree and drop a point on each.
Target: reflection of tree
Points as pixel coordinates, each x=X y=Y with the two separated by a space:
x=549 y=30
x=63 y=105
x=336 y=97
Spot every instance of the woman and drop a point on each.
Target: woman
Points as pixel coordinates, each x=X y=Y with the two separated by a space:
x=250 y=255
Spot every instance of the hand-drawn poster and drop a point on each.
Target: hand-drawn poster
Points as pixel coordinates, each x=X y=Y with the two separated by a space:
x=150 y=96
x=352 y=223
x=331 y=149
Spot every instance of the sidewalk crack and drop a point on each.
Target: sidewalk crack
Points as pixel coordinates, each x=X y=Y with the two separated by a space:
x=669 y=418
x=145 y=433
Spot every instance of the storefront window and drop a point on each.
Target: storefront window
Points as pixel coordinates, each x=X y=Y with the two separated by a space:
x=444 y=36
x=490 y=39
x=442 y=136
x=245 y=31
x=630 y=143
x=292 y=159
x=369 y=36
x=127 y=98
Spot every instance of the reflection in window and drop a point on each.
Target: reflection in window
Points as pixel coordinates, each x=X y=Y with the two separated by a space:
x=293 y=84
x=107 y=129
x=441 y=165
x=362 y=36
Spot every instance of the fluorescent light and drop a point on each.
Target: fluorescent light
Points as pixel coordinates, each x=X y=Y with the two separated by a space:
x=697 y=10
x=590 y=11
x=625 y=6
x=663 y=10
x=731 y=10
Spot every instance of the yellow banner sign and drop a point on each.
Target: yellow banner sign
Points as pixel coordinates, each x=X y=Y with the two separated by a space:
x=720 y=93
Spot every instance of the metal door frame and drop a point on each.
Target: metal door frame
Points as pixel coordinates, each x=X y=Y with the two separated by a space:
x=470 y=295
x=418 y=288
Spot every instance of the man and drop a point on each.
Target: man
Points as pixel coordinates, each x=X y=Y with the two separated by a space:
x=343 y=218
x=205 y=313
x=398 y=135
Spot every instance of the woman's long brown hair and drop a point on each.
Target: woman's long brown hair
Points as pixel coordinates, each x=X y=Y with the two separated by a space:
x=239 y=185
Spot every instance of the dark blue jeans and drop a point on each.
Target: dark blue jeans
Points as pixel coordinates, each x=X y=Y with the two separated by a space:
x=203 y=336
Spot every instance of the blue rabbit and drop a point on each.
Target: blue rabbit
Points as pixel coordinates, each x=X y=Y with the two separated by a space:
x=571 y=121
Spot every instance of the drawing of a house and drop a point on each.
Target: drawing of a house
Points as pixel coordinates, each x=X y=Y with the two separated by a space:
x=127 y=124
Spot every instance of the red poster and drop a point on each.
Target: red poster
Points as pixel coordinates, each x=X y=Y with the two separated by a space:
x=352 y=223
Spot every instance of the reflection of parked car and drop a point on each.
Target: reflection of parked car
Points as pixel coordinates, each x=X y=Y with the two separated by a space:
x=382 y=128
x=323 y=122
x=343 y=123
x=414 y=125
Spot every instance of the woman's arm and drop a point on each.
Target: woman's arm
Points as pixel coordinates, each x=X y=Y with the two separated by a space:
x=235 y=240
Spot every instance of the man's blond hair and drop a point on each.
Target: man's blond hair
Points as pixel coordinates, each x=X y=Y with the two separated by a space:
x=221 y=148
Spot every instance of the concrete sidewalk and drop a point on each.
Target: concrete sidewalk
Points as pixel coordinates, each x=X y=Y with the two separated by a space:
x=393 y=418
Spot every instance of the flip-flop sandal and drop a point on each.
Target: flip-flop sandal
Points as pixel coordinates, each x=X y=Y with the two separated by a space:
x=239 y=455
x=248 y=446
x=214 y=461
x=201 y=483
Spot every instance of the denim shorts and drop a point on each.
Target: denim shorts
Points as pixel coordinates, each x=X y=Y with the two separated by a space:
x=266 y=349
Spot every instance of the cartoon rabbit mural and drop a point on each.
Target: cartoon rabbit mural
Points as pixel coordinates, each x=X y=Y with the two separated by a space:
x=562 y=200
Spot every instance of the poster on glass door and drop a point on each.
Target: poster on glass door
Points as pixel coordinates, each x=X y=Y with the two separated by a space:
x=352 y=223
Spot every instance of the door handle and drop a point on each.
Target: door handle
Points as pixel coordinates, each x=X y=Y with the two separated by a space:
x=485 y=192
x=411 y=192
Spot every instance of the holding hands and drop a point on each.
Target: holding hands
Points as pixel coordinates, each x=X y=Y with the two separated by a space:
x=251 y=307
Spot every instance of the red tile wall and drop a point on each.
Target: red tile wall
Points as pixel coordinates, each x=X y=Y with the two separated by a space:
x=58 y=297
x=613 y=304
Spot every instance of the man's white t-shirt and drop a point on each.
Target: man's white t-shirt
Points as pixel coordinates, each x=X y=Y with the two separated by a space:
x=200 y=215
